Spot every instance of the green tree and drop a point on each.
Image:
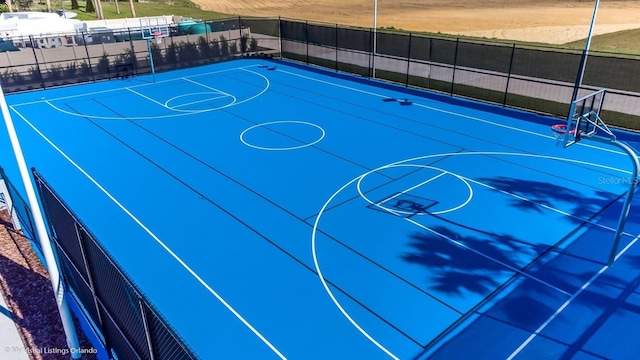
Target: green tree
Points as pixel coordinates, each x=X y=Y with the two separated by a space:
x=90 y=8
x=75 y=5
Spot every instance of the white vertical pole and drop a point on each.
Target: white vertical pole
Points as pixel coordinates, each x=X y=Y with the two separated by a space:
x=9 y=202
x=375 y=35
x=41 y=233
x=583 y=64
x=153 y=69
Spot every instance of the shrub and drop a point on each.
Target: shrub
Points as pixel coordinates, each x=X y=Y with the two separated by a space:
x=35 y=74
x=224 y=46
x=71 y=69
x=103 y=64
x=233 y=47
x=204 y=47
x=253 y=44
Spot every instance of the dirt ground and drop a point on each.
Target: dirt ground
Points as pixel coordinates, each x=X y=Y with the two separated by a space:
x=548 y=21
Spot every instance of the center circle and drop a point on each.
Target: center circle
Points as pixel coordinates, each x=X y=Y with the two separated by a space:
x=414 y=210
x=293 y=134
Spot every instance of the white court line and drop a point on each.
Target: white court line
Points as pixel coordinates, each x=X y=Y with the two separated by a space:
x=502 y=263
x=316 y=224
x=411 y=188
x=178 y=112
x=561 y=212
x=335 y=301
x=145 y=97
x=157 y=240
x=207 y=87
x=439 y=212
x=89 y=94
x=198 y=102
x=449 y=112
x=568 y=302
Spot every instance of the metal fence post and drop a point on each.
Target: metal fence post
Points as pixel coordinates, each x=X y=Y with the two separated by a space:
x=306 y=38
x=408 y=60
x=242 y=41
x=506 y=89
x=280 y=36
x=86 y=49
x=37 y=64
x=147 y=330
x=455 y=62
x=372 y=55
x=337 y=48
x=429 y=74
x=90 y=279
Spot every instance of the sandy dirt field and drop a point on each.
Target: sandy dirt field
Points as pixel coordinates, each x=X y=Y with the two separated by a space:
x=548 y=21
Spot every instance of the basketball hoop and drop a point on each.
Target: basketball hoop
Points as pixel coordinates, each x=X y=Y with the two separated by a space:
x=560 y=131
x=158 y=36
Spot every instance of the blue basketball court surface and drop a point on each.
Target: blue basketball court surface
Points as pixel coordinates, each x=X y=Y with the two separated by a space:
x=269 y=210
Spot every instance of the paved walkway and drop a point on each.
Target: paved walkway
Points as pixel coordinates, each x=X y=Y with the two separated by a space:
x=11 y=346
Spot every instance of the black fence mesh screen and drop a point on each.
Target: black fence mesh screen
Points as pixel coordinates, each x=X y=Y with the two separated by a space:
x=117 y=343
x=105 y=293
x=355 y=39
x=393 y=44
x=484 y=57
x=537 y=78
x=80 y=288
x=420 y=48
x=169 y=347
x=293 y=30
x=322 y=35
x=117 y=296
x=64 y=232
x=261 y=27
x=609 y=72
x=443 y=51
x=546 y=64
x=19 y=210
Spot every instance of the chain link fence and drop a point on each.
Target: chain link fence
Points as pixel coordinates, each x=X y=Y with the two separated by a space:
x=533 y=78
x=536 y=78
x=129 y=326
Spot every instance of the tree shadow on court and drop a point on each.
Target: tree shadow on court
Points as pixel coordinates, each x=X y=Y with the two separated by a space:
x=466 y=266
x=541 y=197
x=462 y=261
x=460 y=266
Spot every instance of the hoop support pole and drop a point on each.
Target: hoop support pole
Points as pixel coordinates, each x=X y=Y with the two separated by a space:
x=153 y=70
x=632 y=187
